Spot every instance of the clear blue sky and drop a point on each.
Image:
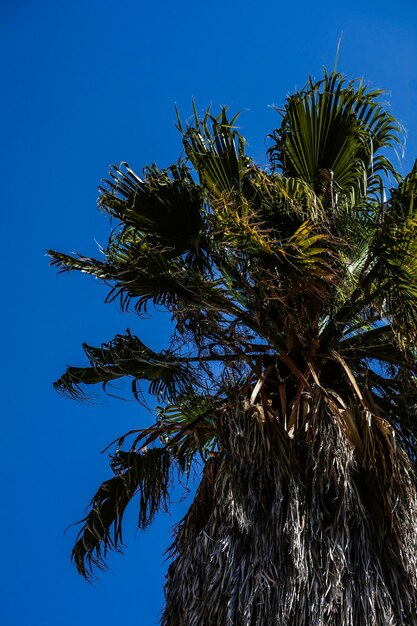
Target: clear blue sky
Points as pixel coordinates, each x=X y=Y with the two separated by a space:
x=87 y=84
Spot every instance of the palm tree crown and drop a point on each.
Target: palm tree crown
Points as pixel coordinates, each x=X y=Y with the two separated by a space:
x=291 y=372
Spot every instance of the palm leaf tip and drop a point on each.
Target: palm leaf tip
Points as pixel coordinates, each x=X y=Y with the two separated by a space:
x=102 y=530
x=86 y=265
x=70 y=383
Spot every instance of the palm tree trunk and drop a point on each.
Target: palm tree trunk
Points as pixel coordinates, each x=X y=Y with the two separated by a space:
x=297 y=531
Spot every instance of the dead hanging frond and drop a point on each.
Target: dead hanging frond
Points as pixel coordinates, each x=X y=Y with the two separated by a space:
x=298 y=531
x=148 y=475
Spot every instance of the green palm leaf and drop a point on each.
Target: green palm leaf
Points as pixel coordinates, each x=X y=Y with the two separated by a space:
x=330 y=133
x=396 y=251
x=216 y=150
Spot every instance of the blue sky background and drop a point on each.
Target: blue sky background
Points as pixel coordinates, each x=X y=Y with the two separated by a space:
x=87 y=84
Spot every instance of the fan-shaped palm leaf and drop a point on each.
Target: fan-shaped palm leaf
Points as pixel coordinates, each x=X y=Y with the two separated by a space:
x=165 y=205
x=330 y=133
x=216 y=150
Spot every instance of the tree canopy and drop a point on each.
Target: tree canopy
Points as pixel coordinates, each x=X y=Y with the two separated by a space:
x=290 y=377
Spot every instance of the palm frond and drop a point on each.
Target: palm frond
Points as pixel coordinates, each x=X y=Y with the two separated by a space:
x=380 y=344
x=216 y=150
x=86 y=265
x=165 y=205
x=136 y=271
x=330 y=133
x=189 y=426
x=127 y=356
x=395 y=249
x=147 y=474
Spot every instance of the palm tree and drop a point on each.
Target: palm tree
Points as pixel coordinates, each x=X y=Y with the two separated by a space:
x=290 y=379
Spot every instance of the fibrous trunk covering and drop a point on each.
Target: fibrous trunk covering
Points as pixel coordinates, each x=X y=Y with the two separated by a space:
x=298 y=531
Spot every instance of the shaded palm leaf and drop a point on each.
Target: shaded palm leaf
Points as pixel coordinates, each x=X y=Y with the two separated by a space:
x=380 y=344
x=165 y=205
x=124 y=356
x=189 y=426
x=136 y=271
x=396 y=251
x=147 y=474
